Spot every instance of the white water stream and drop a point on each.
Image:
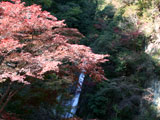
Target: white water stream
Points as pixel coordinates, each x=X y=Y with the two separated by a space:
x=74 y=101
x=154 y=87
x=156 y=94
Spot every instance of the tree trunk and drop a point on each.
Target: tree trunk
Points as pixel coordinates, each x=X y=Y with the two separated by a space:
x=7 y=97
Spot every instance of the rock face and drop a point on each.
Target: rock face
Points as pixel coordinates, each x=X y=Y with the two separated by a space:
x=150 y=102
x=153 y=47
x=151 y=97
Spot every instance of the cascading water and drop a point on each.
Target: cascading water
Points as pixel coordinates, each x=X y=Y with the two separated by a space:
x=74 y=101
x=156 y=94
x=154 y=86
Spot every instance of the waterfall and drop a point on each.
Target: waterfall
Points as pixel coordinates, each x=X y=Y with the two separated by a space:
x=156 y=94
x=74 y=101
x=154 y=87
x=153 y=90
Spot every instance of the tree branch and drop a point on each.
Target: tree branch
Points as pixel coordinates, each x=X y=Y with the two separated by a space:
x=10 y=95
x=6 y=93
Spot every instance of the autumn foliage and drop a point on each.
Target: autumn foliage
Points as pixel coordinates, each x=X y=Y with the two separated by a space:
x=9 y=116
x=33 y=42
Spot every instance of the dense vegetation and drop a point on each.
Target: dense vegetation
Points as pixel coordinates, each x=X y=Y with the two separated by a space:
x=120 y=28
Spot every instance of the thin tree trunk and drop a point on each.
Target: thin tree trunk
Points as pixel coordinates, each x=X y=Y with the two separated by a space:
x=10 y=95
x=5 y=94
x=5 y=103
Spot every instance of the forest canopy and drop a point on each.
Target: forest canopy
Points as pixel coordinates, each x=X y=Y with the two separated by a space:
x=45 y=45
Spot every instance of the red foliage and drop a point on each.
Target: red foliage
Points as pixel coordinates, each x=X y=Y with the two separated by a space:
x=97 y=26
x=33 y=42
x=117 y=30
x=9 y=116
x=129 y=37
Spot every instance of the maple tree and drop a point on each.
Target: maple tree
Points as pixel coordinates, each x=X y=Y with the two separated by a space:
x=33 y=42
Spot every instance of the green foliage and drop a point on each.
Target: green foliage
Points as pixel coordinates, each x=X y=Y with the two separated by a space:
x=127 y=2
x=45 y=3
x=149 y=113
x=70 y=12
x=107 y=12
x=78 y=14
x=129 y=67
x=113 y=101
x=144 y=4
